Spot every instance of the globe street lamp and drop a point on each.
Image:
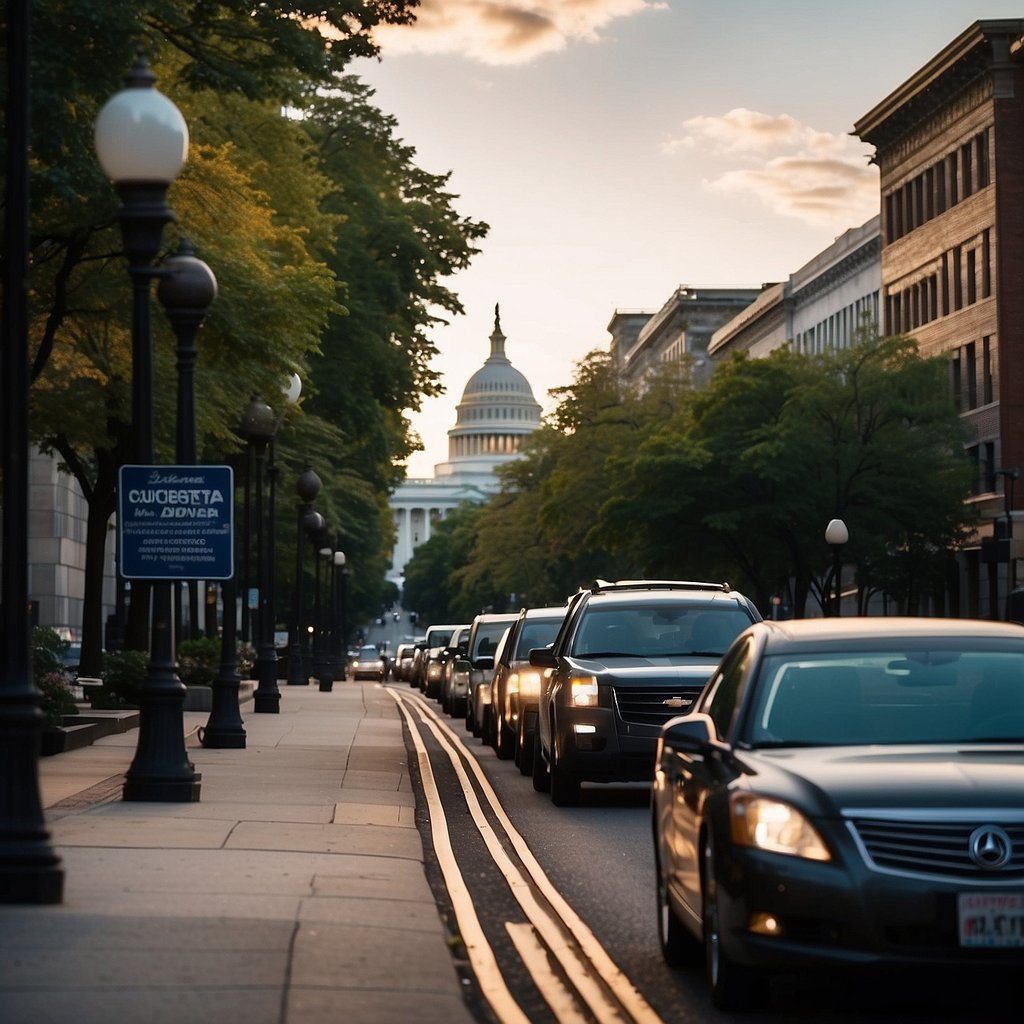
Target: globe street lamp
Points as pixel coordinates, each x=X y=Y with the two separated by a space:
x=836 y=534
x=186 y=291
x=142 y=142
x=257 y=427
x=307 y=487
x=30 y=869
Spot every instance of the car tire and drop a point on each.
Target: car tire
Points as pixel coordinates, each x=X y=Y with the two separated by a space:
x=565 y=787
x=539 y=769
x=504 y=739
x=525 y=746
x=485 y=728
x=678 y=947
x=733 y=986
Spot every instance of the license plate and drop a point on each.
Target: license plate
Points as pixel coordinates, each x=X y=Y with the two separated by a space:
x=991 y=919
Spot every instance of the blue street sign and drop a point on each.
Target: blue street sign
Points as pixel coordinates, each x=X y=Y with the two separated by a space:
x=176 y=522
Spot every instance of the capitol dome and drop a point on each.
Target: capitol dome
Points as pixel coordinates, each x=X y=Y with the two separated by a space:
x=496 y=413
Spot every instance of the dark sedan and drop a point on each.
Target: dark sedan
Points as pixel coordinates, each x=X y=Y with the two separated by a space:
x=846 y=792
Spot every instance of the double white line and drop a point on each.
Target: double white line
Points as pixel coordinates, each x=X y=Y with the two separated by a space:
x=554 y=928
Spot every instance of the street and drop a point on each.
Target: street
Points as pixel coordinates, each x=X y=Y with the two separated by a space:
x=555 y=907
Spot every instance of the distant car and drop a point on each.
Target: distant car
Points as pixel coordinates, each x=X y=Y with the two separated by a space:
x=403 y=657
x=435 y=640
x=628 y=657
x=455 y=650
x=437 y=655
x=515 y=685
x=478 y=717
x=368 y=664
x=846 y=792
x=477 y=663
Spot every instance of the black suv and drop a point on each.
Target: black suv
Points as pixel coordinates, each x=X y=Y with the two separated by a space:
x=628 y=657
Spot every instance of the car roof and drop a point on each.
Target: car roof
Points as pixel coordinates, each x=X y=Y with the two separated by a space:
x=883 y=628
x=555 y=612
x=653 y=594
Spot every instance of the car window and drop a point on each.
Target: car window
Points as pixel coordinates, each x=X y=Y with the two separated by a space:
x=535 y=633
x=890 y=697
x=487 y=636
x=659 y=629
x=721 y=697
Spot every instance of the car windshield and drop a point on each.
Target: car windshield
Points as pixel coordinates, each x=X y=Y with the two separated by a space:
x=890 y=697
x=535 y=633
x=368 y=653
x=658 y=630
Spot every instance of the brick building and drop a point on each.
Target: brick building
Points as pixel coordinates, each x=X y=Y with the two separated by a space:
x=949 y=143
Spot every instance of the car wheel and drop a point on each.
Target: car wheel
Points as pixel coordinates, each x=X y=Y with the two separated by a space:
x=733 y=986
x=525 y=745
x=565 y=787
x=504 y=739
x=485 y=728
x=678 y=946
x=539 y=770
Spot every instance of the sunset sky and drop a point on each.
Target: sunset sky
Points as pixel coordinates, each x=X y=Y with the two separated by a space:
x=621 y=148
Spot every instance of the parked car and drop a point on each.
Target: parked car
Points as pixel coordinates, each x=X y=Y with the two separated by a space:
x=628 y=657
x=435 y=639
x=515 y=683
x=436 y=657
x=403 y=657
x=456 y=649
x=368 y=663
x=478 y=664
x=478 y=715
x=846 y=792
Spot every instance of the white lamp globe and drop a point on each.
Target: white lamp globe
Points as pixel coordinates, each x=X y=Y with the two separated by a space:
x=140 y=135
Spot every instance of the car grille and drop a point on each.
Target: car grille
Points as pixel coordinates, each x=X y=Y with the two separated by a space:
x=935 y=848
x=646 y=705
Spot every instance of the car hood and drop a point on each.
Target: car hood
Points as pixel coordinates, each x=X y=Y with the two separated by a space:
x=637 y=671
x=845 y=780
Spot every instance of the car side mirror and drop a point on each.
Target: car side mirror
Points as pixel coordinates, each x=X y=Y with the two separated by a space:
x=542 y=657
x=487 y=661
x=690 y=734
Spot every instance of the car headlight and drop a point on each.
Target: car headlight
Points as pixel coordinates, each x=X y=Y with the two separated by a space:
x=527 y=683
x=774 y=826
x=583 y=692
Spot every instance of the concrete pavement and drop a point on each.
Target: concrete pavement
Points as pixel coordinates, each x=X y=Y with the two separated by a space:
x=293 y=892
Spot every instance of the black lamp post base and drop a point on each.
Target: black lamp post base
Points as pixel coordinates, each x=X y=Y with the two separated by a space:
x=266 y=703
x=32 y=883
x=166 y=790
x=326 y=684
x=223 y=739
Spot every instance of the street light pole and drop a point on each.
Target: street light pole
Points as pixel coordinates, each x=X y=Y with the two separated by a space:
x=307 y=487
x=836 y=535
x=257 y=428
x=339 y=612
x=142 y=143
x=30 y=869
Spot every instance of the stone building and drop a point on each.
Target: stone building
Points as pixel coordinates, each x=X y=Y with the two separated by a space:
x=949 y=143
x=818 y=307
x=496 y=413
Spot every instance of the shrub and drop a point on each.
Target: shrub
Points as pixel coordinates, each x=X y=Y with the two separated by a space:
x=199 y=660
x=123 y=671
x=49 y=675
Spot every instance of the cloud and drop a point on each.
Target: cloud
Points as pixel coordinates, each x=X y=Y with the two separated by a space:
x=503 y=32
x=793 y=169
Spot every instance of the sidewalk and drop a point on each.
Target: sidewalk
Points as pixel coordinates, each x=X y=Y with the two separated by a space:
x=293 y=892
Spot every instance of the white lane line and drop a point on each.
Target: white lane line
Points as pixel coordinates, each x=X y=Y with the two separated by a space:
x=535 y=958
x=481 y=956
x=627 y=993
x=575 y=966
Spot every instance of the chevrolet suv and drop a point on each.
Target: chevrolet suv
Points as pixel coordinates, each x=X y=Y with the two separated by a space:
x=628 y=657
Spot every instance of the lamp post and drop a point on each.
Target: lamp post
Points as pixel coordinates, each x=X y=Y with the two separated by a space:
x=325 y=554
x=836 y=534
x=30 y=869
x=186 y=291
x=313 y=524
x=307 y=487
x=142 y=142
x=338 y=600
x=257 y=427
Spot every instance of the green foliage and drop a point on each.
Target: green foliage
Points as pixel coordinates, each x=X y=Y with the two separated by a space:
x=56 y=698
x=198 y=660
x=123 y=672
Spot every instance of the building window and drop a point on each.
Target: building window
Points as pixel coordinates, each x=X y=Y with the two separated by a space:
x=956 y=381
x=972 y=276
x=958 y=279
x=981 y=159
x=971 y=382
x=954 y=185
x=986 y=264
x=966 y=169
x=986 y=370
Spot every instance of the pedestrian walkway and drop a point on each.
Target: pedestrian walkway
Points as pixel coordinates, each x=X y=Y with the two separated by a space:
x=293 y=892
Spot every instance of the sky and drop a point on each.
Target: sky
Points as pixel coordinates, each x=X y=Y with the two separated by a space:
x=621 y=148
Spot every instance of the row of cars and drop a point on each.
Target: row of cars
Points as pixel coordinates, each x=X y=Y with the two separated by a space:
x=830 y=793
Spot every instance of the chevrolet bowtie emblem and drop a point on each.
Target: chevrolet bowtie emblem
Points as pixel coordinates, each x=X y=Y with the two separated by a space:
x=677 y=702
